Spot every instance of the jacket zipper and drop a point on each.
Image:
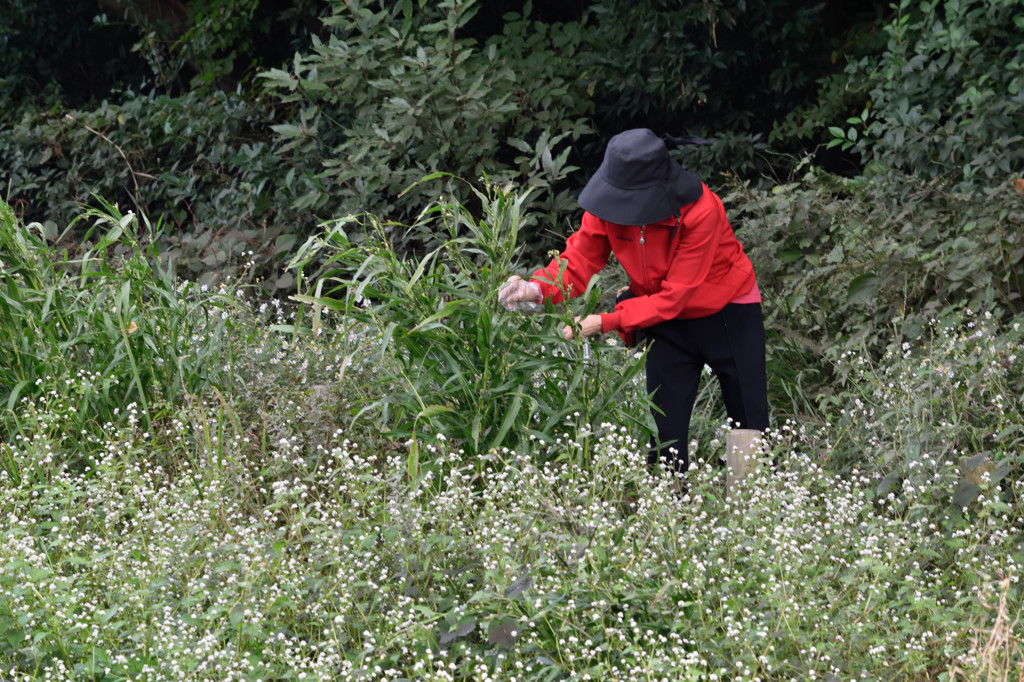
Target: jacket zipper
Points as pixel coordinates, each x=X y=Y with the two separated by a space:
x=643 y=250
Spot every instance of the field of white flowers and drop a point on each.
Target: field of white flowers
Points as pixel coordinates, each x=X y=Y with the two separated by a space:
x=272 y=520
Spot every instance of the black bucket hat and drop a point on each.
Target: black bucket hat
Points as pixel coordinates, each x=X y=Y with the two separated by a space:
x=638 y=182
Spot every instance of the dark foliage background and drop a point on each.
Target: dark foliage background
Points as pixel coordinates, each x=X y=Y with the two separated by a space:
x=580 y=70
x=238 y=126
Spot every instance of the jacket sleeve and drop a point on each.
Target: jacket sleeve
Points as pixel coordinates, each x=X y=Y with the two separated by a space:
x=586 y=253
x=702 y=232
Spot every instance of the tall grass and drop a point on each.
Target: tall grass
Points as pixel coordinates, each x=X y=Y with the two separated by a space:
x=467 y=368
x=106 y=318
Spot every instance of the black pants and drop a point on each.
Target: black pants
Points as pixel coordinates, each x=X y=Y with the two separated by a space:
x=732 y=343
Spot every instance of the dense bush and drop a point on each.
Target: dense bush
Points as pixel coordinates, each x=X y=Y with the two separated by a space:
x=400 y=479
x=199 y=163
x=839 y=260
x=259 y=532
x=731 y=70
x=397 y=92
x=53 y=51
x=945 y=99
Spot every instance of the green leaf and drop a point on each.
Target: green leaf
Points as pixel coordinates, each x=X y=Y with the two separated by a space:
x=977 y=460
x=503 y=633
x=420 y=269
x=447 y=310
x=114 y=234
x=886 y=484
x=12 y=399
x=464 y=627
x=474 y=432
x=524 y=583
x=38 y=574
x=506 y=424
x=521 y=145
x=327 y=303
x=965 y=495
x=432 y=411
x=863 y=289
x=14 y=638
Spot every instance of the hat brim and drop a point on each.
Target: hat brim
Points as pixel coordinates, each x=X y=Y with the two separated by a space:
x=643 y=205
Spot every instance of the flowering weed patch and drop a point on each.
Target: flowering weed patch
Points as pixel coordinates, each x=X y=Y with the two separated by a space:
x=290 y=557
x=246 y=569
x=266 y=528
x=929 y=410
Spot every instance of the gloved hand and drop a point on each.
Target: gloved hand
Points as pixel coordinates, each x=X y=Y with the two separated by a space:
x=520 y=294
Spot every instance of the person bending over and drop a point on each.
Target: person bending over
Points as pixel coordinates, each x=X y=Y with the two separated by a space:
x=692 y=295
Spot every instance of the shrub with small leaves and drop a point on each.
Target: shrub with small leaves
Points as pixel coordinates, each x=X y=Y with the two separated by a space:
x=946 y=97
x=397 y=91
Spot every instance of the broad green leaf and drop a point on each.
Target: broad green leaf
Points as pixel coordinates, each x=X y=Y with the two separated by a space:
x=521 y=585
x=503 y=633
x=114 y=234
x=966 y=494
x=863 y=289
x=511 y=413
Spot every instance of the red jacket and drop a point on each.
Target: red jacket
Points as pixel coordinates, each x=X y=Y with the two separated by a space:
x=679 y=268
